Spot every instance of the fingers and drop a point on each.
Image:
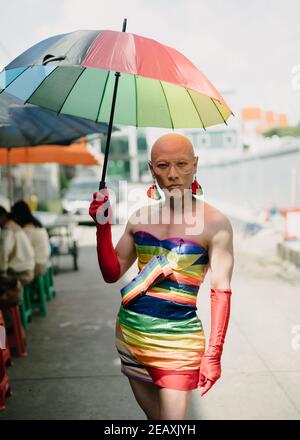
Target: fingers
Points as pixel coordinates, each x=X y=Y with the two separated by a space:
x=100 y=206
x=202 y=380
x=101 y=195
x=103 y=209
x=205 y=383
x=207 y=387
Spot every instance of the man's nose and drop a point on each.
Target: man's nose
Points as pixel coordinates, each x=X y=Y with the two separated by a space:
x=172 y=172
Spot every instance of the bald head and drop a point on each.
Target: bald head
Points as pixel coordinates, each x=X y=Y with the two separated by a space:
x=171 y=145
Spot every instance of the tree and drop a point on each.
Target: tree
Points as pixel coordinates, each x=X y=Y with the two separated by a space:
x=283 y=131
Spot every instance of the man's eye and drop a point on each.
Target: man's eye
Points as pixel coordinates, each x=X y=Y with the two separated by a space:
x=182 y=163
x=162 y=165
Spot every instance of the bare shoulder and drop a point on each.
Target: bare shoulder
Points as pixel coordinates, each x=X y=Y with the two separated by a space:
x=217 y=223
x=133 y=220
x=141 y=216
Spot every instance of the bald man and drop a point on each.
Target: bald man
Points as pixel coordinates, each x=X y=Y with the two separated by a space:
x=159 y=337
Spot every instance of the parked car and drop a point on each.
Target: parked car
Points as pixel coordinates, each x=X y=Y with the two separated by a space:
x=78 y=197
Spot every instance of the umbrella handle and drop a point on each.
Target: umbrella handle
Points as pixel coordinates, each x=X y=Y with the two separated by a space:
x=101 y=186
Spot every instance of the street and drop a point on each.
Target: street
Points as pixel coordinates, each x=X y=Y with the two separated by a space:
x=73 y=369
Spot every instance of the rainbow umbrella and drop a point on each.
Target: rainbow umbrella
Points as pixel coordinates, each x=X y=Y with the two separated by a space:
x=115 y=77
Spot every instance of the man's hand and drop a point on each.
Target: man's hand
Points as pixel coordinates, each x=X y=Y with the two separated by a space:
x=210 y=367
x=99 y=205
x=210 y=371
x=107 y=256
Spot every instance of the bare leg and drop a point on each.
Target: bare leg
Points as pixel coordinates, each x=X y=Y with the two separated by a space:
x=146 y=395
x=173 y=404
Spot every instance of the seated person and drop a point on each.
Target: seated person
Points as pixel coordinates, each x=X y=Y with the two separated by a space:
x=36 y=233
x=16 y=252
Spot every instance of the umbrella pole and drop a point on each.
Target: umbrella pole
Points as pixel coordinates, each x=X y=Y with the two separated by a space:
x=111 y=119
x=109 y=131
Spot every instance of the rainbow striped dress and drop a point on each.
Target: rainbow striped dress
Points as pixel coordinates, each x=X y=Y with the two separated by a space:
x=159 y=337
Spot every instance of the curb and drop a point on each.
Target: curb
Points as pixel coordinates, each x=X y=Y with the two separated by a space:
x=288 y=253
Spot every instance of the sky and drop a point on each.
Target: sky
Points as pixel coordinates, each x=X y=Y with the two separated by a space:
x=248 y=50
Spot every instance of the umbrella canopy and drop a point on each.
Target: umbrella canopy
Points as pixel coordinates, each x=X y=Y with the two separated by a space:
x=79 y=153
x=28 y=125
x=74 y=74
x=79 y=73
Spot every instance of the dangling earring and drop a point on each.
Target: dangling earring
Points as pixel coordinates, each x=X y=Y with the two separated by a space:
x=153 y=192
x=196 y=188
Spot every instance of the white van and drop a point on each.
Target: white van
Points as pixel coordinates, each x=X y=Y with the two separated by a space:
x=79 y=195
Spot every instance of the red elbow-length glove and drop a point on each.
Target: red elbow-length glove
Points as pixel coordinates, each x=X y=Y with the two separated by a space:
x=107 y=256
x=210 y=368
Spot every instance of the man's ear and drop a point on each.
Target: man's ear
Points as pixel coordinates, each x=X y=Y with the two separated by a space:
x=151 y=169
x=196 y=162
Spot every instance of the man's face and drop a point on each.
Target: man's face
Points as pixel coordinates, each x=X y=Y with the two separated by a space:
x=173 y=164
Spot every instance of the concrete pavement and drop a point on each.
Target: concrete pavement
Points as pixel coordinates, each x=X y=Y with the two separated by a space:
x=73 y=369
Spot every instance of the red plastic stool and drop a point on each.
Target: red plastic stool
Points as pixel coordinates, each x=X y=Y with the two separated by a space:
x=6 y=351
x=5 y=390
x=17 y=338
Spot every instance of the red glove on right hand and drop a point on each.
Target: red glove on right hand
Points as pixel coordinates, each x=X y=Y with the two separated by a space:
x=107 y=256
x=210 y=368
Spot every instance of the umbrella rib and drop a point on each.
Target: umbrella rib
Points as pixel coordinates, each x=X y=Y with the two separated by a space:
x=196 y=108
x=167 y=104
x=102 y=97
x=68 y=94
x=46 y=77
x=136 y=107
x=219 y=111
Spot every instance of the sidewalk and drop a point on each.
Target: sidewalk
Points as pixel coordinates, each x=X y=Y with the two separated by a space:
x=73 y=369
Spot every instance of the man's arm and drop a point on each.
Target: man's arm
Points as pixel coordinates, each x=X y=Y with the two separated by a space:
x=221 y=264
x=112 y=264
x=125 y=250
x=221 y=258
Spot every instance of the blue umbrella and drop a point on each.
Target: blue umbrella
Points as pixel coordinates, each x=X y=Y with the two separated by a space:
x=29 y=125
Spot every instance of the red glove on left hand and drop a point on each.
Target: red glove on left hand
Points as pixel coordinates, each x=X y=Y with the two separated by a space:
x=210 y=367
